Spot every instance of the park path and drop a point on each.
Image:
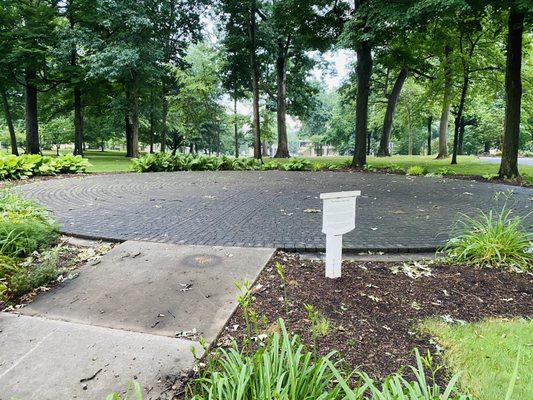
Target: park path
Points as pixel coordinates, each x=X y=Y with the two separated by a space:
x=136 y=314
x=279 y=209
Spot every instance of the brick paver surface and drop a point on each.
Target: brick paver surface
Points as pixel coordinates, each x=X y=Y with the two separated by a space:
x=266 y=209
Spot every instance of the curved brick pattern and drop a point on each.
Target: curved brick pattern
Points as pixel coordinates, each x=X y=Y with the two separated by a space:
x=266 y=209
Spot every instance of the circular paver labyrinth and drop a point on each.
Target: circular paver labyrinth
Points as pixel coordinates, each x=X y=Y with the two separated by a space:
x=266 y=209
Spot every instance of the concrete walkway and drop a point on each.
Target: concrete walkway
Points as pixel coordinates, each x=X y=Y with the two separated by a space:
x=134 y=315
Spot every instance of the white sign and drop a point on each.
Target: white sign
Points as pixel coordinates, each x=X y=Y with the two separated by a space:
x=338 y=219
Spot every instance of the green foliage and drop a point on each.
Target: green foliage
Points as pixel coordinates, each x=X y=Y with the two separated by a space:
x=297 y=164
x=134 y=387
x=416 y=170
x=25 y=166
x=282 y=369
x=24 y=226
x=395 y=169
x=397 y=386
x=494 y=353
x=164 y=162
x=446 y=171
x=18 y=277
x=493 y=239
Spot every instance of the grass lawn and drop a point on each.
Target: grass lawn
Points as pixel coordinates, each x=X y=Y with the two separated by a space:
x=466 y=165
x=102 y=161
x=486 y=352
x=115 y=161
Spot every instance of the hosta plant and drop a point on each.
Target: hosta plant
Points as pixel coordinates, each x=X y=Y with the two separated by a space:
x=416 y=170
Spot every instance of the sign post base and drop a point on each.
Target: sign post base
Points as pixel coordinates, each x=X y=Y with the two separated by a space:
x=333 y=256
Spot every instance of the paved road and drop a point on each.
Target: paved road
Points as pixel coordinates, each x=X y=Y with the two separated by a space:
x=266 y=209
x=497 y=160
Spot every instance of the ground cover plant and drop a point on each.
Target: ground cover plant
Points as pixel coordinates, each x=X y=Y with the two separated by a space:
x=492 y=239
x=488 y=352
x=28 y=165
x=25 y=226
x=27 y=257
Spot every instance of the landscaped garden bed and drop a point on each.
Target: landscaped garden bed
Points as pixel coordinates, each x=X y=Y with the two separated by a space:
x=33 y=257
x=372 y=315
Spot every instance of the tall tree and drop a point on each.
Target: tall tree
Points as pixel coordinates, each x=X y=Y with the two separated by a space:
x=513 y=91
x=30 y=27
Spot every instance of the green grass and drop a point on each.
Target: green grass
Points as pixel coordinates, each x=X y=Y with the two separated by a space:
x=466 y=165
x=103 y=161
x=485 y=353
x=115 y=161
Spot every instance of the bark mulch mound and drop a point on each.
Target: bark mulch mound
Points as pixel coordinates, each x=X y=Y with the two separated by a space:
x=374 y=312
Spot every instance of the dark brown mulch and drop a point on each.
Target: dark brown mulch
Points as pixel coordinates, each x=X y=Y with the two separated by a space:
x=374 y=313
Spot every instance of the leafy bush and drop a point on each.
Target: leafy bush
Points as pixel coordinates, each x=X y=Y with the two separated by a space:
x=395 y=169
x=493 y=239
x=24 y=226
x=297 y=164
x=416 y=170
x=20 y=277
x=269 y=165
x=27 y=165
x=163 y=162
x=446 y=171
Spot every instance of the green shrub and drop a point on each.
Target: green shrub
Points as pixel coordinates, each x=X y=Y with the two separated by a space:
x=26 y=165
x=395 y=169
x=446 y=171
x=246 y=164
x=163 y=162
x=269 y=165
x=24 y=226
x=416 y=170
x=370 y=168
x=493 y=239
x=18 y=277
x=297 y=164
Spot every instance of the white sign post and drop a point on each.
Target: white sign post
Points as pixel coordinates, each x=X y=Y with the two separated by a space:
x=338 y=219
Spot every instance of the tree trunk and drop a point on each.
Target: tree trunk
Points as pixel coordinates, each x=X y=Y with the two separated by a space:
x=264 y=151
x=78 y=122
x=389 y=114
x=255 y=80
x=445 y=113
x=164 y=127
x=513 y=96
x=134 y=115
x=9 y=122
x=281 y=81
x=459 y=116
x=152 y=122
x=368 y=143
x=32 y=123
x=460 y=149
x=129 y=143
x=364 y=71
x=235 y=127
x=430 y=122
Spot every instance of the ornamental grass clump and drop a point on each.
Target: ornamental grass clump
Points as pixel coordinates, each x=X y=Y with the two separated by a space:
x=492 y=239
x=282 y=369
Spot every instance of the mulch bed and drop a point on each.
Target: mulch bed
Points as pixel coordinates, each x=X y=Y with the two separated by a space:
x=374 y=312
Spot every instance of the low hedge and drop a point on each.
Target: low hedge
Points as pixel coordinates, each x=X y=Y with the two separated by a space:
x=27 y=165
